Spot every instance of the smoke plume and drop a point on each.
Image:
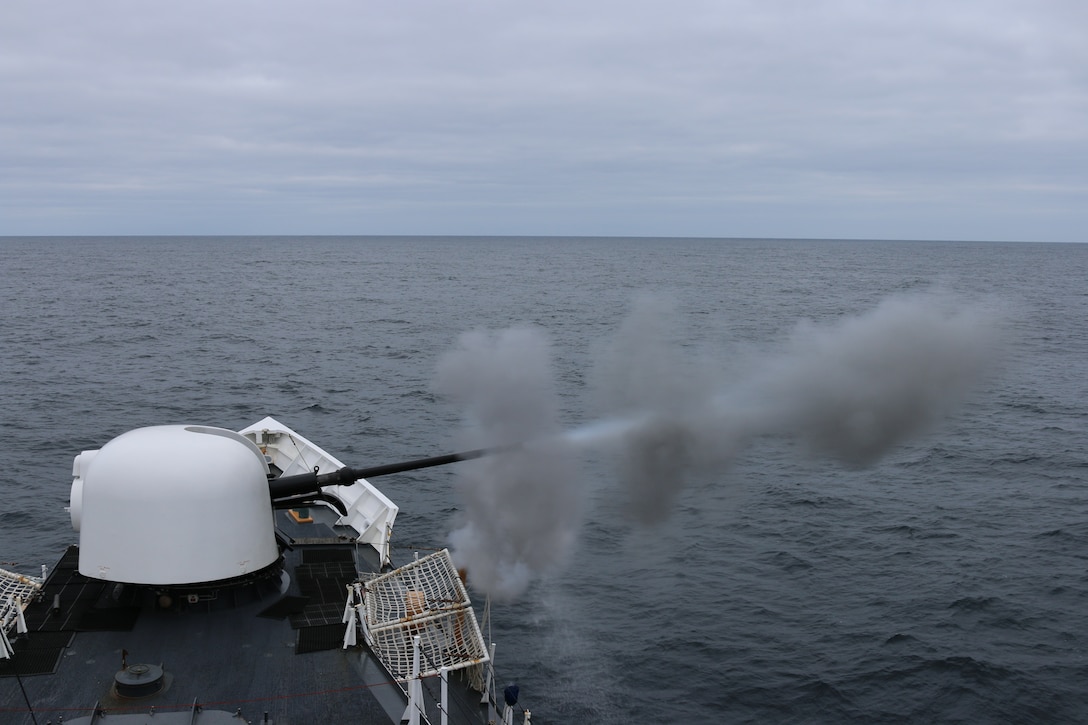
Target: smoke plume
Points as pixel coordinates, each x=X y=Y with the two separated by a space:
x=852 y=390
x=656 y=390
x=522 y=507
x=859 y=388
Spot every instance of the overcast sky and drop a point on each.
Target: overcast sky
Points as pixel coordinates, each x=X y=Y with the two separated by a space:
x=909 y=119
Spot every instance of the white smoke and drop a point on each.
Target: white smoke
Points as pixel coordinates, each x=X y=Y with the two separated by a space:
x=523 y=506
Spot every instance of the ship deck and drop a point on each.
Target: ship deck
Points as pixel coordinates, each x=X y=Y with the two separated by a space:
x=274 y=655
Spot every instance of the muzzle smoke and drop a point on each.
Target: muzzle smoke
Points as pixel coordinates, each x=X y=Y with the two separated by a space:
x=852 y=390
x=522 y=507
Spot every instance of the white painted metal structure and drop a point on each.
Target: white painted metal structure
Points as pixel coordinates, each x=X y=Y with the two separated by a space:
x=189 y=504
x=369 y=512
x=173 y=505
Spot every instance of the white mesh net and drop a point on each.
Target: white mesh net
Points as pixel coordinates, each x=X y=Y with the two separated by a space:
x=14 y=588
x=425 y=598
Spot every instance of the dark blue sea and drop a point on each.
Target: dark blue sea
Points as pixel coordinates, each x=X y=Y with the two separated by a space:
x=945 y=581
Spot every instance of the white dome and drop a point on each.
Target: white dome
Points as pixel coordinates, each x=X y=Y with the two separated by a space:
x=173 y=505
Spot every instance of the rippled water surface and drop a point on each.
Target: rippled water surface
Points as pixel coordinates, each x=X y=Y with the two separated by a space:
x=946 y=583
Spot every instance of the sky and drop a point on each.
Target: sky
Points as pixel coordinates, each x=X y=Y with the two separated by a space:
x=876 y=119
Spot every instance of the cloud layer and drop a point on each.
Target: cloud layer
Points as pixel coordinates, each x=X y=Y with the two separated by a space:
x=839 y=119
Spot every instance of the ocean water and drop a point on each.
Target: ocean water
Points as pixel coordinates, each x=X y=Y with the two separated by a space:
x=945 y=582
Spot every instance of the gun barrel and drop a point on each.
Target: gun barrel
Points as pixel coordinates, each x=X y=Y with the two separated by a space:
x=304 y=483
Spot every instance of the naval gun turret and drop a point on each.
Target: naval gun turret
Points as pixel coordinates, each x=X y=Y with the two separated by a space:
x=173 y=505
x=176 y=504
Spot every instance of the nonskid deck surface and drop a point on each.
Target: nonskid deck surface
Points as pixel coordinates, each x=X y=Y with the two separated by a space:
x=275 y=652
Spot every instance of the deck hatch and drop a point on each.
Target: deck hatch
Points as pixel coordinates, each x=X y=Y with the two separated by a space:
x=317 y=615
x=324 y=556
x=317 y=639
x=325 y=583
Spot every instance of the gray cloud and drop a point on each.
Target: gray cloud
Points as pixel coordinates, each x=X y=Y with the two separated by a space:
x=732 y=119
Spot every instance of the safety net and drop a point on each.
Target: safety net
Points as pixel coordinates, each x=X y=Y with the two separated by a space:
x=425 y=598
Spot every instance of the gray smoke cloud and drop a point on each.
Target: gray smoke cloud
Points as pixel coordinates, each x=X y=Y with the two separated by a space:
x=522 y=507
x=655 y=391
x=852 y=390
x=866 y=384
